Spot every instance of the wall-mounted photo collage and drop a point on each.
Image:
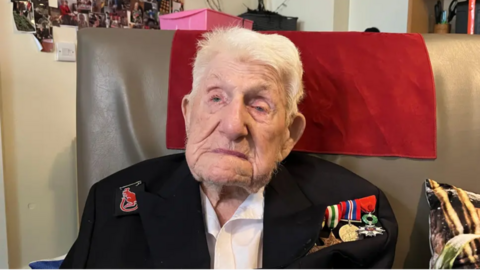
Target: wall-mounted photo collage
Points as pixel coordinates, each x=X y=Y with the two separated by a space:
x=38 y=18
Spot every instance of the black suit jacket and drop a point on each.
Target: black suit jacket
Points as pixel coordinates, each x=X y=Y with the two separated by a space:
x=168 y=229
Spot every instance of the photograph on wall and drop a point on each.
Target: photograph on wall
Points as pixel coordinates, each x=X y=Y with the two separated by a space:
x=98 y=6
x=177 y=6
x=116 y=12
x=165 y=6
x=150 y=15
x=44 y=36
x=23 y=16
x=43 y=25
x=136 y=14
x=55 y=16
x=68 y=12
x=97 y=20
x=84 y=6
x=118 y=19
x=82 y=21
x=41 y=12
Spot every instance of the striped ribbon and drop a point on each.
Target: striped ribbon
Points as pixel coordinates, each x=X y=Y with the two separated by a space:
x=351 y=210
x=332 y=215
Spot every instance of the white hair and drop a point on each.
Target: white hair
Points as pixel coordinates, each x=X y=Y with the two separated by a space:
x=272 y=50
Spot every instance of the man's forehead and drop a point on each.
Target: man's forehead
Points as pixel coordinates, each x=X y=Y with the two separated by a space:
x=260 y=82
x=259 y=73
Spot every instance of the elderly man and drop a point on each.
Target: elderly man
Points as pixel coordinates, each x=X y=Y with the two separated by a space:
x=237 y=198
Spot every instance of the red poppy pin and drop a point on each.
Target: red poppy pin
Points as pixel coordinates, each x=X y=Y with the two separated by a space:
x=126 y=198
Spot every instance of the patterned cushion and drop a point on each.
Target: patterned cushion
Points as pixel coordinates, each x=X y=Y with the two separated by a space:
x=454 y=226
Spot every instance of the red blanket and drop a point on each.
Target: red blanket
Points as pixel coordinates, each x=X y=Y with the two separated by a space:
x=369 y=94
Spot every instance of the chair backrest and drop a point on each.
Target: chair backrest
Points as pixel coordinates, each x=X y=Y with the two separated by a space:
x=121 y=115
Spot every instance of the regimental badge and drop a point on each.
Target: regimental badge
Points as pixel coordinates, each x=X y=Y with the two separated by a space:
x=126 y=198
x=129 y=201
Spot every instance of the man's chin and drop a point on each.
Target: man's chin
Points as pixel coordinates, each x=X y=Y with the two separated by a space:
x=227 y=177
x=217 y=170
x=248 y=183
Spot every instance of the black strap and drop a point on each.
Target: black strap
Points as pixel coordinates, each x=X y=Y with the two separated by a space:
x=452 y=9
x=261 y=5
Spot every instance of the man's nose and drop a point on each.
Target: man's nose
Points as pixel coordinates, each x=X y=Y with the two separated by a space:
x=234 y=119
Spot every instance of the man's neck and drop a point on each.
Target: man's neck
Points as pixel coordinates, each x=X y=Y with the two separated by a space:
x=225 y=200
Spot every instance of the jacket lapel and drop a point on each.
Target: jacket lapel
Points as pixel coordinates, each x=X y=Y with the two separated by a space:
x=291 y=222
x=172 y=219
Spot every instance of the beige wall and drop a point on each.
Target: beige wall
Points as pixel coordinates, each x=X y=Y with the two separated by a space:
x=341 y=15
x=233 y=7
x=3 y=217
x=388 y=16
x=313 y=15
x=38 y=115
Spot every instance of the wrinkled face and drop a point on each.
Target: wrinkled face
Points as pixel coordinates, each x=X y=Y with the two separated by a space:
x=236 y=124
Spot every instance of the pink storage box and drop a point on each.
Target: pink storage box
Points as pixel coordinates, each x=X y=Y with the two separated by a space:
x=201 y=19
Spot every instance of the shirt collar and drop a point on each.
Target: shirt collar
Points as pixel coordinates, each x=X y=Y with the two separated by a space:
x=251 y=208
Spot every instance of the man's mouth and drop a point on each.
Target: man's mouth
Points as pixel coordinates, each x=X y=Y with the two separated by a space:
x=230 y=152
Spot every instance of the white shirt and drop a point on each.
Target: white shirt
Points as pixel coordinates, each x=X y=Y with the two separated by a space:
x=239 y=243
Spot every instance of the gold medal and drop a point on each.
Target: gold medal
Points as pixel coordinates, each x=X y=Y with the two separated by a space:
x=323 y=223
x=348 y=233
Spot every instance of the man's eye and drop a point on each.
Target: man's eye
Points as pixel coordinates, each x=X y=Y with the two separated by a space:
x=216 y=99
x=260 y=109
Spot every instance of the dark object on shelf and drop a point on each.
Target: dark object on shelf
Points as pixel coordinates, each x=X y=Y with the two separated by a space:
x=452 y=10
x=264 y=20
x=372 y=29
x=461 y=24
x=438 y=12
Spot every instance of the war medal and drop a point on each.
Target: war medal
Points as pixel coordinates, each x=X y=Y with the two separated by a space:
x=348 y=232
x=351 y=212
x=332 y=216
x=370 y=229
x=368 y=206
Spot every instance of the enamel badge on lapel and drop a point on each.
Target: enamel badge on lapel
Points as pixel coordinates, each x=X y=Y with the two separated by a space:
x=126 y=199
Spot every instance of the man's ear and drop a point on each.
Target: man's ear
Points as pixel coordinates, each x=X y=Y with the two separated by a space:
x=185 y=111
x=295 y=132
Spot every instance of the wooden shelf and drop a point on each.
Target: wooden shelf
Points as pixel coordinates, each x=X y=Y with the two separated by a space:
x=421 y=17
